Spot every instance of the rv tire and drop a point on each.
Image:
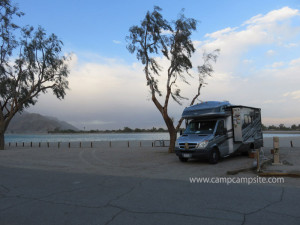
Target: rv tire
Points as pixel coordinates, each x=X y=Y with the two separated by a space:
x=182 y=159
x=245 y=153
x=214 y=156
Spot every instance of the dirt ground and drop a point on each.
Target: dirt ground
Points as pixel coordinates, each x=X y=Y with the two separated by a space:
x=144 y=161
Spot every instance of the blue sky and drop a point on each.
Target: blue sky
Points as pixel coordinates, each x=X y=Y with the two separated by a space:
x=258 y=65
x=93 y=25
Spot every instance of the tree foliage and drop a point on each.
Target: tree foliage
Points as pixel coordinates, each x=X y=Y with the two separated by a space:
x=282 y=127
x=157 y=38
x=29 y=65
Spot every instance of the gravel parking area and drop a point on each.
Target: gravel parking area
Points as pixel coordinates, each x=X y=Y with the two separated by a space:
x=136 y=185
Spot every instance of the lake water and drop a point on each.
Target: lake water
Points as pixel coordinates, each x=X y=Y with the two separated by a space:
x=27 y=138
x=84 y=137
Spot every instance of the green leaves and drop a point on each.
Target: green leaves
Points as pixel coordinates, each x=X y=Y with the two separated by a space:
x=30 y=66
x=206 y=69
x=157 y=37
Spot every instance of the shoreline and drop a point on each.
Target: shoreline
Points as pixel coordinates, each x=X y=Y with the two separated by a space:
x=11 y=139
x=143 y=132
x=286 y=141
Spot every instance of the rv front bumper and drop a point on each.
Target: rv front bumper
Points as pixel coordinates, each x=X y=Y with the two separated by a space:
x=197 y=153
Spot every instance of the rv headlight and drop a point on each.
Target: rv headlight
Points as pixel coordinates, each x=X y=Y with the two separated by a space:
x=202 y=144
x=176 y=144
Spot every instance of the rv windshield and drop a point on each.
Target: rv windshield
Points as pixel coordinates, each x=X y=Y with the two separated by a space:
x=201 y=127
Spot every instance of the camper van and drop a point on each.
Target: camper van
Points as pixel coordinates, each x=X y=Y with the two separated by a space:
x=219 y=129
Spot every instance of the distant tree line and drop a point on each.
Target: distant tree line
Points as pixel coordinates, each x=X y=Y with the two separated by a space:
x=124 y=130
x=282 y=127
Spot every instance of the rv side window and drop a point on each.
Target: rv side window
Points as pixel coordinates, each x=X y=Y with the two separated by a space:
x=247 y=120
x=256 y=115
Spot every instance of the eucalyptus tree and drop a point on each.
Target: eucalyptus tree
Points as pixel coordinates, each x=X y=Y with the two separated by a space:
x=157 y=38
x=29 y=65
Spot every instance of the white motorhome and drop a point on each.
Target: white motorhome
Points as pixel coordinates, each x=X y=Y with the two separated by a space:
x=219 y=129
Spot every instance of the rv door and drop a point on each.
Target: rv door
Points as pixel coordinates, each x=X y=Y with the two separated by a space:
x=237 y=125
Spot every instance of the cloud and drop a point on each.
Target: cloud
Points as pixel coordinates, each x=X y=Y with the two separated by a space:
x=107 y=93
x=273 y=16
x=91 y=124
x=279 y=120
x=291 y=45
x=221 y=33
x=277 y=64
x=271 y=52
x=247 y=61
x=255 y=81
x=295 y=62
x=260 y=30
x=117 y=42
x=100 y=93
x=293 y=94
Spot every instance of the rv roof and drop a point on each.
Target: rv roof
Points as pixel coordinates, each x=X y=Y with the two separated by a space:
x=209 y=104
x=210 y=108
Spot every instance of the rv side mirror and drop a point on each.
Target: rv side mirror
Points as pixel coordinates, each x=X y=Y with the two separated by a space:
x=180 y=132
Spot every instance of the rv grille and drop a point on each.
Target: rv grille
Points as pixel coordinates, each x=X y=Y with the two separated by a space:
x=190 y=145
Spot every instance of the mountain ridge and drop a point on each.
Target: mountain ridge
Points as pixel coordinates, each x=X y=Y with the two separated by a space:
x=36 y=123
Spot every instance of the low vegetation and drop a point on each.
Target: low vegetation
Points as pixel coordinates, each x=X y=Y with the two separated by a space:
x=124 y=130
x=281 y=127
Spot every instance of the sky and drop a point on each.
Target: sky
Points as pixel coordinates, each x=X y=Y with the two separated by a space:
x=258 y=65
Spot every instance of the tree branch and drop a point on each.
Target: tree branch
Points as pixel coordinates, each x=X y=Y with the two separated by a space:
x=197 y=95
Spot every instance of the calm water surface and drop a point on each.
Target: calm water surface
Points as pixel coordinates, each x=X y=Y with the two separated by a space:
x=100 y=137
x=84 y=137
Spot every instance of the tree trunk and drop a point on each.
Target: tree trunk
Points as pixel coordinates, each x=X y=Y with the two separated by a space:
x=2 y=143
x=173 y=137
x=3 y=126
x=172 y=132
x=168 y=121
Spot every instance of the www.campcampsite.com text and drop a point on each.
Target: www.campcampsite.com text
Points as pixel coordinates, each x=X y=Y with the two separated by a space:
x=237 y=180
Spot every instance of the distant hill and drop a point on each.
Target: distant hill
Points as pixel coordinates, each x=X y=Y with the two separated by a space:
x=36 y=123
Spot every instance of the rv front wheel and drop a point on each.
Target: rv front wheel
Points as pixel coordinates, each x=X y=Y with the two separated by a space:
x=183 y=159
x=214 y=156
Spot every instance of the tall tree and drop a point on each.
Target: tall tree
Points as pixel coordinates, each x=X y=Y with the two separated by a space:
x=28 y=67
x=156 y=36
